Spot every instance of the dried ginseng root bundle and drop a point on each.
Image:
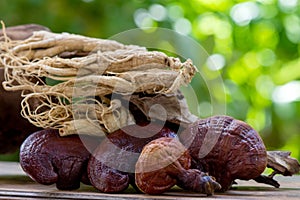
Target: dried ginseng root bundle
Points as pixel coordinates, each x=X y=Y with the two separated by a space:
x=86 y=85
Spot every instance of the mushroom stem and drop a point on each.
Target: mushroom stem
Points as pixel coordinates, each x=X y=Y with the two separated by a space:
x=194 y=180
x=198 y=181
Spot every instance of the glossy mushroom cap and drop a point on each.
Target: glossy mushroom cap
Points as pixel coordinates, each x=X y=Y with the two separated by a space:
x=48 y=158
x=226 y=148
x=112 y=165
x=165 y=162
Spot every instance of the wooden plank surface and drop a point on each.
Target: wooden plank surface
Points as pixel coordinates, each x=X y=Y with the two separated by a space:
x=14 y=184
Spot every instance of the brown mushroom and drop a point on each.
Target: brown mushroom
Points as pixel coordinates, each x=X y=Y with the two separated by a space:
x=112 y=166
x=22 y=32
x=48 y=158
x=226 y=148
x=165 y=162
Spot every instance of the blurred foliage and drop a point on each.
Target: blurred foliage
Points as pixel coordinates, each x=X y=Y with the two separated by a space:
x=253 y=45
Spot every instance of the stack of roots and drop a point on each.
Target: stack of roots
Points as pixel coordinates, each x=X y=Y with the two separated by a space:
x=83 y=85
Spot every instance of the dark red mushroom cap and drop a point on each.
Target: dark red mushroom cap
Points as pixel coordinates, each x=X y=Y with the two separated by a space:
x=49 y=158
x=226 y=148
x=112 y=165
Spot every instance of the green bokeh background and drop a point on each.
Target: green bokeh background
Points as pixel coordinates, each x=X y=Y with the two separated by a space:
x=254 y=46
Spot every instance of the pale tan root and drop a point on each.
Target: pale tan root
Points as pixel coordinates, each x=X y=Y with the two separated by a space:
x=46 y=44
x=149 y=81
x=51 y=110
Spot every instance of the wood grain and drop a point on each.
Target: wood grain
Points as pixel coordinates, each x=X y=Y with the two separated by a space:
x=14 y=184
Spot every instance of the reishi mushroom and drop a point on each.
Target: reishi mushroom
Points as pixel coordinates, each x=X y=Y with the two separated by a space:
x=205 y=157
x=49 y=158
x=111 y=167
x=226 y=149
x=165 y=162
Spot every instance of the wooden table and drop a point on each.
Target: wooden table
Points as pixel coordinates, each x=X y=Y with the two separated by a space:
x=14 y=184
